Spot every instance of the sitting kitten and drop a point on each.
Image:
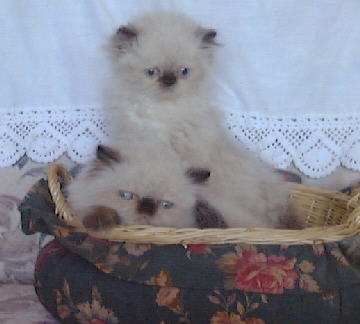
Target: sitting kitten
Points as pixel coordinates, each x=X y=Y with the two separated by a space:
x=139 y=188
x=160 y=91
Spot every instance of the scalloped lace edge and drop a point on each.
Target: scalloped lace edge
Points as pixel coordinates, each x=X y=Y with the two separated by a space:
x=316 y=144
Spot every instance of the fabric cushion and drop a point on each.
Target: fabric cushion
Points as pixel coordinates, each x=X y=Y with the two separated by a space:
x=76 y=291
x=81 y=279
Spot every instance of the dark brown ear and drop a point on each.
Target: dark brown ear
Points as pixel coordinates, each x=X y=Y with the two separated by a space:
x=198 y=175
x=124 y=37
x=127 y=32
x=208 y=37
x=107 y=155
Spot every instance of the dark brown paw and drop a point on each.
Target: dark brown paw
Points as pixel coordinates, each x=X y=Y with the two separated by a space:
x=207 y=216
x=100 y=217
x=293 y=219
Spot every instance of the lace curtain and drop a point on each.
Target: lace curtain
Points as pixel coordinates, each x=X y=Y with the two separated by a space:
x=289 y=76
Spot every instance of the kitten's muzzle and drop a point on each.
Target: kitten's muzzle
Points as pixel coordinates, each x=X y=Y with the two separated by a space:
x=147 y=206
x=167 y=79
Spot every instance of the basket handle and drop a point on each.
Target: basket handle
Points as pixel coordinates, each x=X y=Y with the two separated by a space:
x=57 y=175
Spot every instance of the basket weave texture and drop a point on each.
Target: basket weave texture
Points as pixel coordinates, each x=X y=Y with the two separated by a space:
x=329 y=216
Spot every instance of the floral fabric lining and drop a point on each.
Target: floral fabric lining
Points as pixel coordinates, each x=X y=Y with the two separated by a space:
x=81 y=279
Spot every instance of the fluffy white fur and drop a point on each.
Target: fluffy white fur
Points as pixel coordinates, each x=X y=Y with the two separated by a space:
x=143 y=172
x=245 y=190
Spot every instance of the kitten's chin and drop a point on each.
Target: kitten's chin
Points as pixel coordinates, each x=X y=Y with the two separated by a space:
x=141 y=96
x=172 y=93
x=137 y=221
x=167 y=95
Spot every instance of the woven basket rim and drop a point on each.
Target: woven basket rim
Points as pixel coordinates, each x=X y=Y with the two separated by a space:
x=163 y=235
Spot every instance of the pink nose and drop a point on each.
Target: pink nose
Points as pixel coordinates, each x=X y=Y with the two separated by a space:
x=147 y=205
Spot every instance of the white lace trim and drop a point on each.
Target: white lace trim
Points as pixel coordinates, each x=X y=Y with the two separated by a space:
x=44 y=135
x=316 y=144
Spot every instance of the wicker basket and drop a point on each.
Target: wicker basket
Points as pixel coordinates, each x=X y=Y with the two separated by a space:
x=328 y=216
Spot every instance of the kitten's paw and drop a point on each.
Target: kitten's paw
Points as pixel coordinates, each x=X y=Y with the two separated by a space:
x=207 y=216
x=101 y=217
x=293 y=220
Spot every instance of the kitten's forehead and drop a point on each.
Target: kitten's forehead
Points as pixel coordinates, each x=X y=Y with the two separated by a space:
x=152 y=175
x=158 y=179
x=165 y=23
x=168 y=38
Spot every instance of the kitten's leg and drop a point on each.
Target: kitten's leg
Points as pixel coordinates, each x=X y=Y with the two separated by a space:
x=101 y=217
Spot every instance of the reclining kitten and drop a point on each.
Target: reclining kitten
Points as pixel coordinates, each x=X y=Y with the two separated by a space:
x=138 y=188
x=160 y=91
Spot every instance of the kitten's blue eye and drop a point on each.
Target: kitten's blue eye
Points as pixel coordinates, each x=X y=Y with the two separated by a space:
x=184 y=71
x=152 y=72
x=126 y=195
x=166 y=204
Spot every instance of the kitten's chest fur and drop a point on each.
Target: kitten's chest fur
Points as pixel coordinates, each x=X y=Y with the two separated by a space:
x=182 y=120
x=191 y=128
